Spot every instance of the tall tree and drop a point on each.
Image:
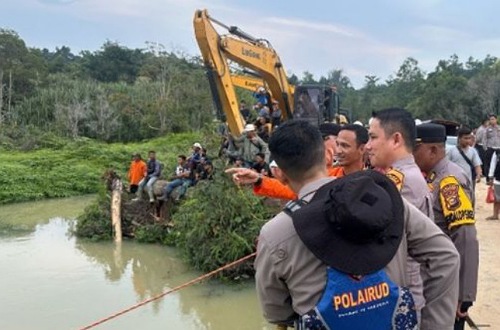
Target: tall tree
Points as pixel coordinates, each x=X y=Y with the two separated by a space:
x=443 y=96
x=338 y=78
x=61 y=60
x=407 y=84
x=307 y=78
x=293 y=79
x=21 y=70
x=113 y=63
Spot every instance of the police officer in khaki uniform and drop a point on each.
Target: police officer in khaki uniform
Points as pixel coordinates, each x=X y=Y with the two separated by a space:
x=390 y=146
x=453 y=208
x=481 y=144
x=291 y=278
x=491 y=140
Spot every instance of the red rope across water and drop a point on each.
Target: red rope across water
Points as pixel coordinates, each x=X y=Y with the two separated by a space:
x=177 y=288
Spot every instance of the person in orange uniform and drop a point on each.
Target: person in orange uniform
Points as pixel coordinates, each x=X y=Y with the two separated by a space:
x=277 y=187
x=346 y=143
x=136 y=172
x=350 y=149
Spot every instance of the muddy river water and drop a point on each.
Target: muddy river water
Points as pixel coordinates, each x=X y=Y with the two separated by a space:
x=50 y=280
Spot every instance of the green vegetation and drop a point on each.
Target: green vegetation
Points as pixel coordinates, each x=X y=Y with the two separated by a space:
x=75 y=167
x=137 y=220
x=455 y=90
x=115 y=94
x=118 y=94
x=94 y=223
x=65 y=118
x=218 y=224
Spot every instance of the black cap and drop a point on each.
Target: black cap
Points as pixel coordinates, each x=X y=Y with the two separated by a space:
x=431 y=133
x=329 y=129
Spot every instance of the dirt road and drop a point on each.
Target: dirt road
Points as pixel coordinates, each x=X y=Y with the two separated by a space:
x=487 y=308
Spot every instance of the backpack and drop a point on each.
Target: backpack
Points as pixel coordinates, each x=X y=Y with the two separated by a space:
x=366 y=302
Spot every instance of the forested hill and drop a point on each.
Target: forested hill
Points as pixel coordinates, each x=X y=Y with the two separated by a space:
x=122 y=94
x=113 y=94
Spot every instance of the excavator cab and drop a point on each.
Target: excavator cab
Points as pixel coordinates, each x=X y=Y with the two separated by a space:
x=308 y=101
x=317 y=104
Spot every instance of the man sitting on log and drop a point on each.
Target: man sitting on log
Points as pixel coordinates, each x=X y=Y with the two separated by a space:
x=153 y=172
x=184 y=177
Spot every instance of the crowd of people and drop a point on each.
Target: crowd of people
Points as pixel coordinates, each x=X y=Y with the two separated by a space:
x=188 y=172
x=379 y=231
x=333 y=178
x=265 y=113
x=487 y=145
x=477 y=152
x=260 y=120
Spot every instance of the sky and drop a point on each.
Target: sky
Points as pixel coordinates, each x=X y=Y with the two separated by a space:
x=359 y=37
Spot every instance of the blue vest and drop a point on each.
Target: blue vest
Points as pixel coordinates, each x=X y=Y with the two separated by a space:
x=371 y=302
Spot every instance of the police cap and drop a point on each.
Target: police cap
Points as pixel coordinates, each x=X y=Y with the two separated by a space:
x=431 y=133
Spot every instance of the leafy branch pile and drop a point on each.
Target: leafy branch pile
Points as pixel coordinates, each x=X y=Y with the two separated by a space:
x=218 y=224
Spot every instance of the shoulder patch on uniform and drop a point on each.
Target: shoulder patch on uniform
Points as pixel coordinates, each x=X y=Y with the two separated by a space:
x=449 y=191
x=456 y=204
x=397 y=177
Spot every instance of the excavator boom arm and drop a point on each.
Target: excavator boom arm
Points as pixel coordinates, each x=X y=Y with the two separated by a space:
x=247 y=51
x=218 y=71
x=266 y=62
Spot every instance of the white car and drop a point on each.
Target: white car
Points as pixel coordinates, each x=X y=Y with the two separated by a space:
x=451 y=130
x=451 y=142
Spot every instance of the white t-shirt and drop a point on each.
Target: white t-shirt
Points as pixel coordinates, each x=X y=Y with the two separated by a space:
x=471 y=153
x=179 y=170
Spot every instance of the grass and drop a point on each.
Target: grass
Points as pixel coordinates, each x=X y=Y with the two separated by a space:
x=75 y=167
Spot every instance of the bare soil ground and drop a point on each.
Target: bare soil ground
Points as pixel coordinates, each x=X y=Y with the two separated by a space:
x=486 y=310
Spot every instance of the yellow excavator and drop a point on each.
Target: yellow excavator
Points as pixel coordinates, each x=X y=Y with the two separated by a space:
x=250 y=82
x=315 y=103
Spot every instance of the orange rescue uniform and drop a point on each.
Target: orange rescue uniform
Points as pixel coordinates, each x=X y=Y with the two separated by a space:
x=137 y=171
x=270 y=187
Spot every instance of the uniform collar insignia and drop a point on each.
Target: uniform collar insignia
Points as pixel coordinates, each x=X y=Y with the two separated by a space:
x=431 y=177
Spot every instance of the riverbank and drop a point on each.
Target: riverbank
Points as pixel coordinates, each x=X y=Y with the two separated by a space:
x=73 y=168
x=216 y=224
x=52 y=280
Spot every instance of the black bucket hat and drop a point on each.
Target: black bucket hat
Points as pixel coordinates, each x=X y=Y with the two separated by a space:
x=353 y=224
